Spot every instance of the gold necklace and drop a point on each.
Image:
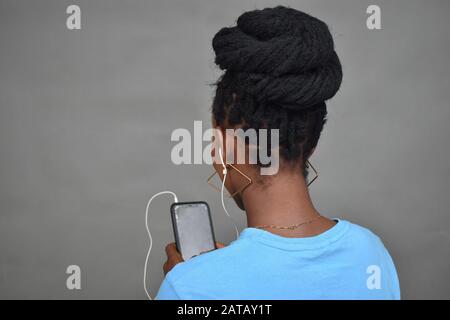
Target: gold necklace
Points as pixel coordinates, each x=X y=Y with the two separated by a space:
x=291 y=227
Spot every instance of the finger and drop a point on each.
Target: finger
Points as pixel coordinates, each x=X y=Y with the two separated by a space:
x=220 y=245
x=171 y=249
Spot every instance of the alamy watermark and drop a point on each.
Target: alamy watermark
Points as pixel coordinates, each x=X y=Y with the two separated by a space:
x=73 y=21
x=373 y=281
x=73 y=281
x=373 y=21
x=261 y=146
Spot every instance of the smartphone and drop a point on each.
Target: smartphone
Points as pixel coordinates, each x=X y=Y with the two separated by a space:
x=193 y=229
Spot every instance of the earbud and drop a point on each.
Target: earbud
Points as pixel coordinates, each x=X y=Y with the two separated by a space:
x=224 y=171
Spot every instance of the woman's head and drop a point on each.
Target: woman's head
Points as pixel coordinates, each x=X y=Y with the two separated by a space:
x=280 y=68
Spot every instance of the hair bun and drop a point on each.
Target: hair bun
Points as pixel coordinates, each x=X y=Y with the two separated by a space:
x=283 y=57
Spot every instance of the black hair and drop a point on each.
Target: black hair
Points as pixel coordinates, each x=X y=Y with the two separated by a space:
x=280 y=67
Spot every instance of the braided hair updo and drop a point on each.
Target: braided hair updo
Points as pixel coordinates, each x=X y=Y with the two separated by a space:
x=280 y=67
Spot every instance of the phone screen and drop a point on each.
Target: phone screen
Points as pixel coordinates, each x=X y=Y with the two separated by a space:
x=193 y=228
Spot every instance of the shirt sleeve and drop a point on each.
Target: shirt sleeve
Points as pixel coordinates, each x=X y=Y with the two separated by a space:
x=394 y=282
x=167 y=291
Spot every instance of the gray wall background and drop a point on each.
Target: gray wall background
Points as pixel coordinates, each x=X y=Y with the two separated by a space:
x=86 y=118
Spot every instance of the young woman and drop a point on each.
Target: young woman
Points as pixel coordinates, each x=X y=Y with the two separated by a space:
x=280 y=68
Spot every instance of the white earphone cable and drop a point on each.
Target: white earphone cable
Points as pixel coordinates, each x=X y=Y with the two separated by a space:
x=150 y=235
x=225 y=172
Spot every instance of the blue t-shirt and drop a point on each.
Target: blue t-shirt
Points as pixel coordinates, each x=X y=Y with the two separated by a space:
x=345 y=262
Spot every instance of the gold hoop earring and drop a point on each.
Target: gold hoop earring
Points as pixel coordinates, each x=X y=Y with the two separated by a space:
x=209 y=181
x=308 y=164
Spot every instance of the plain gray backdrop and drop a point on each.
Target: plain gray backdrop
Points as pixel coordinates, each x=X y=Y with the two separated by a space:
x=86 y=117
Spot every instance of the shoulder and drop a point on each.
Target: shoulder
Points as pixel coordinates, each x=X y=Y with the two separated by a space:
x=363 y=235
x=365 y=242
x=371 y=250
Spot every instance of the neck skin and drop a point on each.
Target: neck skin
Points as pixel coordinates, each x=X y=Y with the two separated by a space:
x=284 y=200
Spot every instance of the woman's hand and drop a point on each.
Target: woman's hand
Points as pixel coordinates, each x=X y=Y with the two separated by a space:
x=174 y=257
